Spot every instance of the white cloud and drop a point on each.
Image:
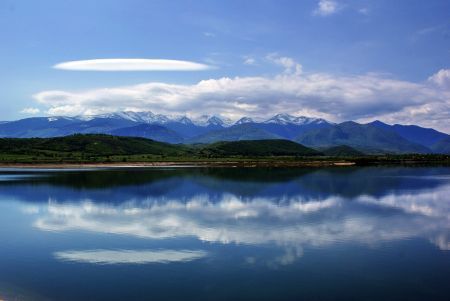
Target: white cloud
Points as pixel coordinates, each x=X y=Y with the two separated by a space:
x=131 y=65
x=335 y=97
x=289 y=64
x=249 y=61
x=130 y=256
x=30 y=110
x=441 y=78
x=326 y=8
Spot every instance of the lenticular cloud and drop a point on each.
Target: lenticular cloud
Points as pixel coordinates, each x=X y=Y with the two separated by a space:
x=131 y=65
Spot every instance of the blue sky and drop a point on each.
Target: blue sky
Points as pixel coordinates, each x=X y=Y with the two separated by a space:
x=337 y=59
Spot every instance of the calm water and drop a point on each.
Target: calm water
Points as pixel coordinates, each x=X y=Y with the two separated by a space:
x=225 y=234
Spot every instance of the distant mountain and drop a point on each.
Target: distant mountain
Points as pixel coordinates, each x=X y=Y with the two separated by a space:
x=190 y=130
x=212 y=120
x=316 y=132
x=287 y=126
x=35 y=127
x=98 y=125
x=424 y=136
x=367 y=138
x=245 y=131
x=282 y=125
x=150 y=131
x=289 y=131
x=289 y=119
x=257 y=148
x=342 y=151
x=442 y=146
x=245 y=120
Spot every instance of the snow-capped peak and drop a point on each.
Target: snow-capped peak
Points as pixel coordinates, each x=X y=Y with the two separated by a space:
x=289 y=119
x=281 y=119
x=127 y=115
x=203 y=120
x=214 y=120
x=206 y=120
x=183 y=119
x=244 y=120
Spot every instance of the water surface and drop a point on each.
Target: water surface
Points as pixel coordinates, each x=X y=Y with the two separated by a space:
x=225 y=234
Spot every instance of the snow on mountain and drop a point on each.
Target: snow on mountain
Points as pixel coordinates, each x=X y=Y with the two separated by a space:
x=244 y=120
x=183 y=119
x=289 y=119
x=56 y=118
x=144 y=117
x=206 y=120
x=203 y=120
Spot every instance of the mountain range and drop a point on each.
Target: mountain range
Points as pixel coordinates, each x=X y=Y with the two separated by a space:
x=374 y=137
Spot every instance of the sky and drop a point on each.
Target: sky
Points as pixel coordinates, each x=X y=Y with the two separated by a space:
x=336 y=59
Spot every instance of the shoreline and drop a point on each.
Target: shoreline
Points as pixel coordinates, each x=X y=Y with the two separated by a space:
x=186 y=164
x=236 y=163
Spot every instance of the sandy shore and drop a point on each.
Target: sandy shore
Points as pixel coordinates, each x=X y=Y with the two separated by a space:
x=179 y=164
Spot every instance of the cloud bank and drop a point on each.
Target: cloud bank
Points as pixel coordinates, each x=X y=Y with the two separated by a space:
x=335 y=97
x=131 y=65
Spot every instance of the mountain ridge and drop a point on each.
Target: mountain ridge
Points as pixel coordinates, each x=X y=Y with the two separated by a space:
x=373 y=137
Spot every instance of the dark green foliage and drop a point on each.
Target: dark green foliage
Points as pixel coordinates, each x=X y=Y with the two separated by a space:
x=94 y=145
x=257 y=148
x=342 y=151
x=99 y=148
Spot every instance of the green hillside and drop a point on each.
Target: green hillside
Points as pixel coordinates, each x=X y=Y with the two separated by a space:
x=96 y=148
x=276 y=147
x=93 y=144
x=99 y=148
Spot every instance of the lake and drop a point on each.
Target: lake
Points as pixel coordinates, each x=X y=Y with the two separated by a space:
x=343 y=233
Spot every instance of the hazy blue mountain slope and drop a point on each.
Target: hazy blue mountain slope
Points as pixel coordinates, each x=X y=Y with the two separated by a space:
x=150 y=131
x=35 y=127
x=442 y=146
x=190 y=130
x=234 y=133
x=364 y=137
x=289 y=131
x=97 y=125
x=424 y=136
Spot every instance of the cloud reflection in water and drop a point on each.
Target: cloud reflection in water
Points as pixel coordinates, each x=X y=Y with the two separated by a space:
x=292 y=222
x=130 y=256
